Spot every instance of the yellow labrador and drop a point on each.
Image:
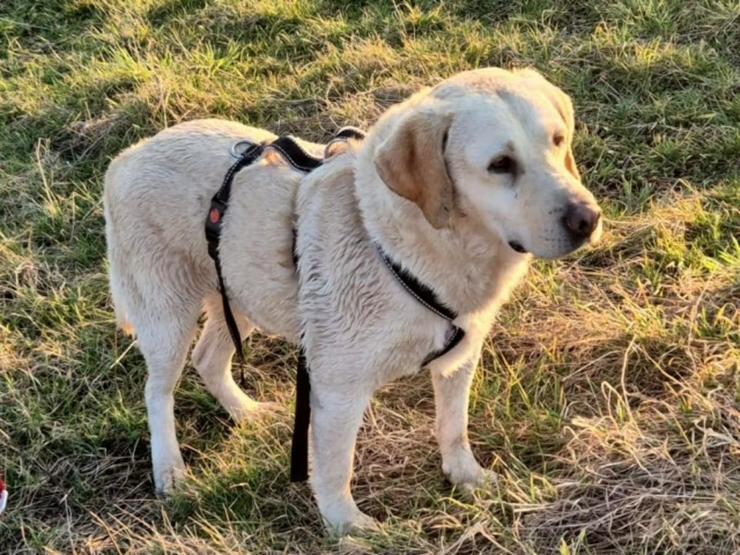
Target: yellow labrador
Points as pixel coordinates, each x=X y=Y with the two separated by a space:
x=461 y=185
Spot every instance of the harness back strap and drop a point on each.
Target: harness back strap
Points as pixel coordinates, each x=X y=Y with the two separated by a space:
x=299 y=159
x=219 y=204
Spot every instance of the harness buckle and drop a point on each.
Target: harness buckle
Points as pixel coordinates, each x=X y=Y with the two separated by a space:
x=213 y=225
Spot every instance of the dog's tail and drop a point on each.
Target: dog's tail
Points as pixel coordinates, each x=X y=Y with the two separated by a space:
x=116 y=273
x=119 y=307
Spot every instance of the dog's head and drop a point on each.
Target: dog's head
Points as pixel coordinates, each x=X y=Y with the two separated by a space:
x=495 y=145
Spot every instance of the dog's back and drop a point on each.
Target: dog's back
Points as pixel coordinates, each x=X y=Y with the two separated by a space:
x=157 y=196
x=155 y=200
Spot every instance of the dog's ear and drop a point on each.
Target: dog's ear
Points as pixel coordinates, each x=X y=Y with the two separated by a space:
x=412 y=164
x=566 y=111
x=570 y=162
x=564 y=106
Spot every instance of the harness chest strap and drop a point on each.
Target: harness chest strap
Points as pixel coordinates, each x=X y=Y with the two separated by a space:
x=302 y=161
x=428 y=298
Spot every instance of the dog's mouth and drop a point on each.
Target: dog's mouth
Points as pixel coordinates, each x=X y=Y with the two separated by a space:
x=517 y=247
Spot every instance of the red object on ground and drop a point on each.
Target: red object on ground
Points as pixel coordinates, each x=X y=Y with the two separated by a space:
x=3 y=496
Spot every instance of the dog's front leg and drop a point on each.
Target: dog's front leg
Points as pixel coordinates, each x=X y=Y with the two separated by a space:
x=335 y=421
x=451 y=392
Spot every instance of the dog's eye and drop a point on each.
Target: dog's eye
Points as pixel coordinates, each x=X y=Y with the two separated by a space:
x=558 y=139
x=502 y=164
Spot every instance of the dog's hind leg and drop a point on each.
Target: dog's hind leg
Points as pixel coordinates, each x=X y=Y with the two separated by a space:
x=164 y=338
x=212 y=359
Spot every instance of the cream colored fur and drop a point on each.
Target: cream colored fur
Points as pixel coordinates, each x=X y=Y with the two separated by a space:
x=449 y=223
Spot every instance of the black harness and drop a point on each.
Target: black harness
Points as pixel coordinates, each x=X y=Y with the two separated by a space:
x=305 y=162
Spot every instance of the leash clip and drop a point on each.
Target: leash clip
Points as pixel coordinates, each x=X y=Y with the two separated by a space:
x=236 y=152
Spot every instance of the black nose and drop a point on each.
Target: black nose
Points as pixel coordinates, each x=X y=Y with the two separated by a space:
x=581 y=220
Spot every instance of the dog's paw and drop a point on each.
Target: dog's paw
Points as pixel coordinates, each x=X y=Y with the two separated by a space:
x=483 y=481
x=252 y=411
x=466 y=474
x=351 y=522
x=166 y=478
x=364 y=523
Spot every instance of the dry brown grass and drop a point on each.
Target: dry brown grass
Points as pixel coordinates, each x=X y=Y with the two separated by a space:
x=607 y=400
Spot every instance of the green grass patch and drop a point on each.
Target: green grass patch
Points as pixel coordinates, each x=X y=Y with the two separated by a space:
x=607 y=397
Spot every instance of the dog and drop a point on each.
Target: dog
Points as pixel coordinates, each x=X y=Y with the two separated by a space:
x=462 y=184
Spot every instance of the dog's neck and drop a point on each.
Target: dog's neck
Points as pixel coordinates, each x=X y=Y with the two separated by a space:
x=468 y=267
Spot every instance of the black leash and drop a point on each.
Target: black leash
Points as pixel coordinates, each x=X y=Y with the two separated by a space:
x=305 y=162
x=301 y=420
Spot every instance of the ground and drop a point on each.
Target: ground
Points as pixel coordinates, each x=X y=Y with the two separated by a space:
x=607 y=399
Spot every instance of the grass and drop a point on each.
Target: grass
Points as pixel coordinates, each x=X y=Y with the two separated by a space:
x=608 y=396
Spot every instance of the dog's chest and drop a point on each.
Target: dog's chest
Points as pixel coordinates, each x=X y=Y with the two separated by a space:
x=358 y=321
